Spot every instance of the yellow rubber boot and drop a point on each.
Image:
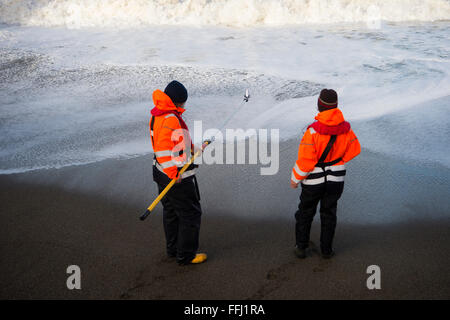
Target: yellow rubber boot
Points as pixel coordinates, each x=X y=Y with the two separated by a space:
x=199 y=258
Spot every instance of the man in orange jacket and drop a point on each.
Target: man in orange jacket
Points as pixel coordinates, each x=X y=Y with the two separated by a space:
x=327 y=145
x=172 y=148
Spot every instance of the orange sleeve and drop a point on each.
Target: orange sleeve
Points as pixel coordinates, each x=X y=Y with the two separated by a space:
x=164 y=149
x=353 y=147
x=307 y=157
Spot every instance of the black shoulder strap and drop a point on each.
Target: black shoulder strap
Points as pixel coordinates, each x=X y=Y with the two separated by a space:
x=152 y=123
x=327 y=149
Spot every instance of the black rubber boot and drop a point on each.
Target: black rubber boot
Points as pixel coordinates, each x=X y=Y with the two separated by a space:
x=327 y=255
x=300 y=253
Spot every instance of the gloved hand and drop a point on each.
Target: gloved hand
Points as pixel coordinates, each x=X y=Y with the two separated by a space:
x=206 y=143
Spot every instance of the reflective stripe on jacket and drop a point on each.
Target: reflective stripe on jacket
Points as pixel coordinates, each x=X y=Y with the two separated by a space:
x=313 y=144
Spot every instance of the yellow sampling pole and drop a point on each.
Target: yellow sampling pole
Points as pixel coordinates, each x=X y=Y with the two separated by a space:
x=170 y=185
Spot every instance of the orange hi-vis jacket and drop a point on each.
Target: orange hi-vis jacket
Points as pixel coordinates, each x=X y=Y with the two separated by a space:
x=170 y=137
x=314 y=141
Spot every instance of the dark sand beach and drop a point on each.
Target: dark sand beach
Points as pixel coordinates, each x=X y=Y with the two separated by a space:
x=393 y=214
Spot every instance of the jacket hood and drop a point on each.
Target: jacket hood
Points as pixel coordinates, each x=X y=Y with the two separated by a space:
x=332 y=117
x=331 y=122
x=163 y=104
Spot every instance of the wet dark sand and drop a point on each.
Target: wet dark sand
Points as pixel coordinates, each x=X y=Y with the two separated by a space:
x=88 y=216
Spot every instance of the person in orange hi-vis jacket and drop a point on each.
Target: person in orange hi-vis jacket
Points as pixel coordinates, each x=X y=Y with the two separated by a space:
x=172 y=148
x=327 y=145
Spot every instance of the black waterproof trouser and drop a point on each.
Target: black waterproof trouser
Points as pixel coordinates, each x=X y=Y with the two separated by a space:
x=328 y=194
x=181 y=218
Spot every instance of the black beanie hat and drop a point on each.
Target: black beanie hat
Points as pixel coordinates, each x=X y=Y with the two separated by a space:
x=328 y=99
x=176 y=92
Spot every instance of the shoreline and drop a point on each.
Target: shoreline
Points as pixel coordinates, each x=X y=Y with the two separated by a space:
x=379 y=188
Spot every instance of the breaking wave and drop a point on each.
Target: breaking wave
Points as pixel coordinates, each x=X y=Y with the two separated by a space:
x=50 y=118
x=135 y=13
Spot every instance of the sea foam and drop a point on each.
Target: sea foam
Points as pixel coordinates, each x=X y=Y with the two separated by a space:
x=135 y=13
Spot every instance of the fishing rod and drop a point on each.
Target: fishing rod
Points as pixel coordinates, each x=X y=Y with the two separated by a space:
x=196 y=154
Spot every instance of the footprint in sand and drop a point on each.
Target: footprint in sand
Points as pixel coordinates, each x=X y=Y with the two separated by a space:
x=276 y=276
